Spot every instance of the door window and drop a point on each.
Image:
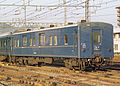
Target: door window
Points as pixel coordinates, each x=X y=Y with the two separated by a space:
x=96 y=37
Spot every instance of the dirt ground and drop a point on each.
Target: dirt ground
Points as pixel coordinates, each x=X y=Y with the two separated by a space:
x=14 y=75
x=116 y=58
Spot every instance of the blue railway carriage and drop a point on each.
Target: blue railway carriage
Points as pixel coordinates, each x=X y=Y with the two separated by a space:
x=76 y=46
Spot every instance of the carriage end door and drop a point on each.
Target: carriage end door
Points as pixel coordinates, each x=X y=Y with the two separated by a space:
x=97 y=42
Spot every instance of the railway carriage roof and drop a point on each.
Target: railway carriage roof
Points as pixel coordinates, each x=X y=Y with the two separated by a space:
x=5 y=34
x=53 y=28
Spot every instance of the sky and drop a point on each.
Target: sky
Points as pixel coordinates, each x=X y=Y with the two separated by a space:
x=103 y=11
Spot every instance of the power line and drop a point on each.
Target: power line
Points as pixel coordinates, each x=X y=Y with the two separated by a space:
x=3 y=1
x=41 y=17
x=53 y=12
x=46 y=12
x=33 y=6
x=103 y=15
x=111 y=1
x=14 y=8
x=108 y=7
x=37 y=15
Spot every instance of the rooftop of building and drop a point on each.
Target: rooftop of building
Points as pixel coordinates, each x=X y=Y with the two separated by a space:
x=116 y=30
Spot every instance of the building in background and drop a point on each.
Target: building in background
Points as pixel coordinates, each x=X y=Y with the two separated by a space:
x=116 y=36
x=116 y=39
x=118 y=10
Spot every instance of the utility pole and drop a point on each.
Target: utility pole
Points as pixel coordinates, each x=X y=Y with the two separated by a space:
x=28 y=2
x=87 y=14
x=64 y=3
x=25 y=5
x=58 y=2
x=24 y=13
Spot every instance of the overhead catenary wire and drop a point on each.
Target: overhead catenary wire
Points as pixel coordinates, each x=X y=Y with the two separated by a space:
x=14 y=8
x=51 y=12
x=3 y=1
x=46 y=14
x=70 y=0
x=77 y=14
x=55 y=14
x=103 y=15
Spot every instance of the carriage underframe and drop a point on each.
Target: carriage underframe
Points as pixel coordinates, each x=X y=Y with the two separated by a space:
x=71 y=63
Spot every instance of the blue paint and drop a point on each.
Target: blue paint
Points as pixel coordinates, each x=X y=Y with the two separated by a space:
x=72 y=50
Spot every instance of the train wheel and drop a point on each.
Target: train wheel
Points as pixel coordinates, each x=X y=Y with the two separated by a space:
x=68 y=66
x=40 y=64
x=21 y=62
x=10 y=59
x=83 y=66
x=25 y=62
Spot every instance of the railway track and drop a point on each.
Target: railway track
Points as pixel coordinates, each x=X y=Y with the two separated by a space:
x=56 y=76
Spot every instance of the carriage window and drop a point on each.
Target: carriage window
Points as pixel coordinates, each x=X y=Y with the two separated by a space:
x=24 y=40
x=14 y=43
x=66 y=39
x=30 y=41
x=50 y=39
x=18 y=43
x=0 y=44
x=75 y=37
x=42 y=39
x=55 y=40
x=33 y=41
x=96 y=37
x=4 y=44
